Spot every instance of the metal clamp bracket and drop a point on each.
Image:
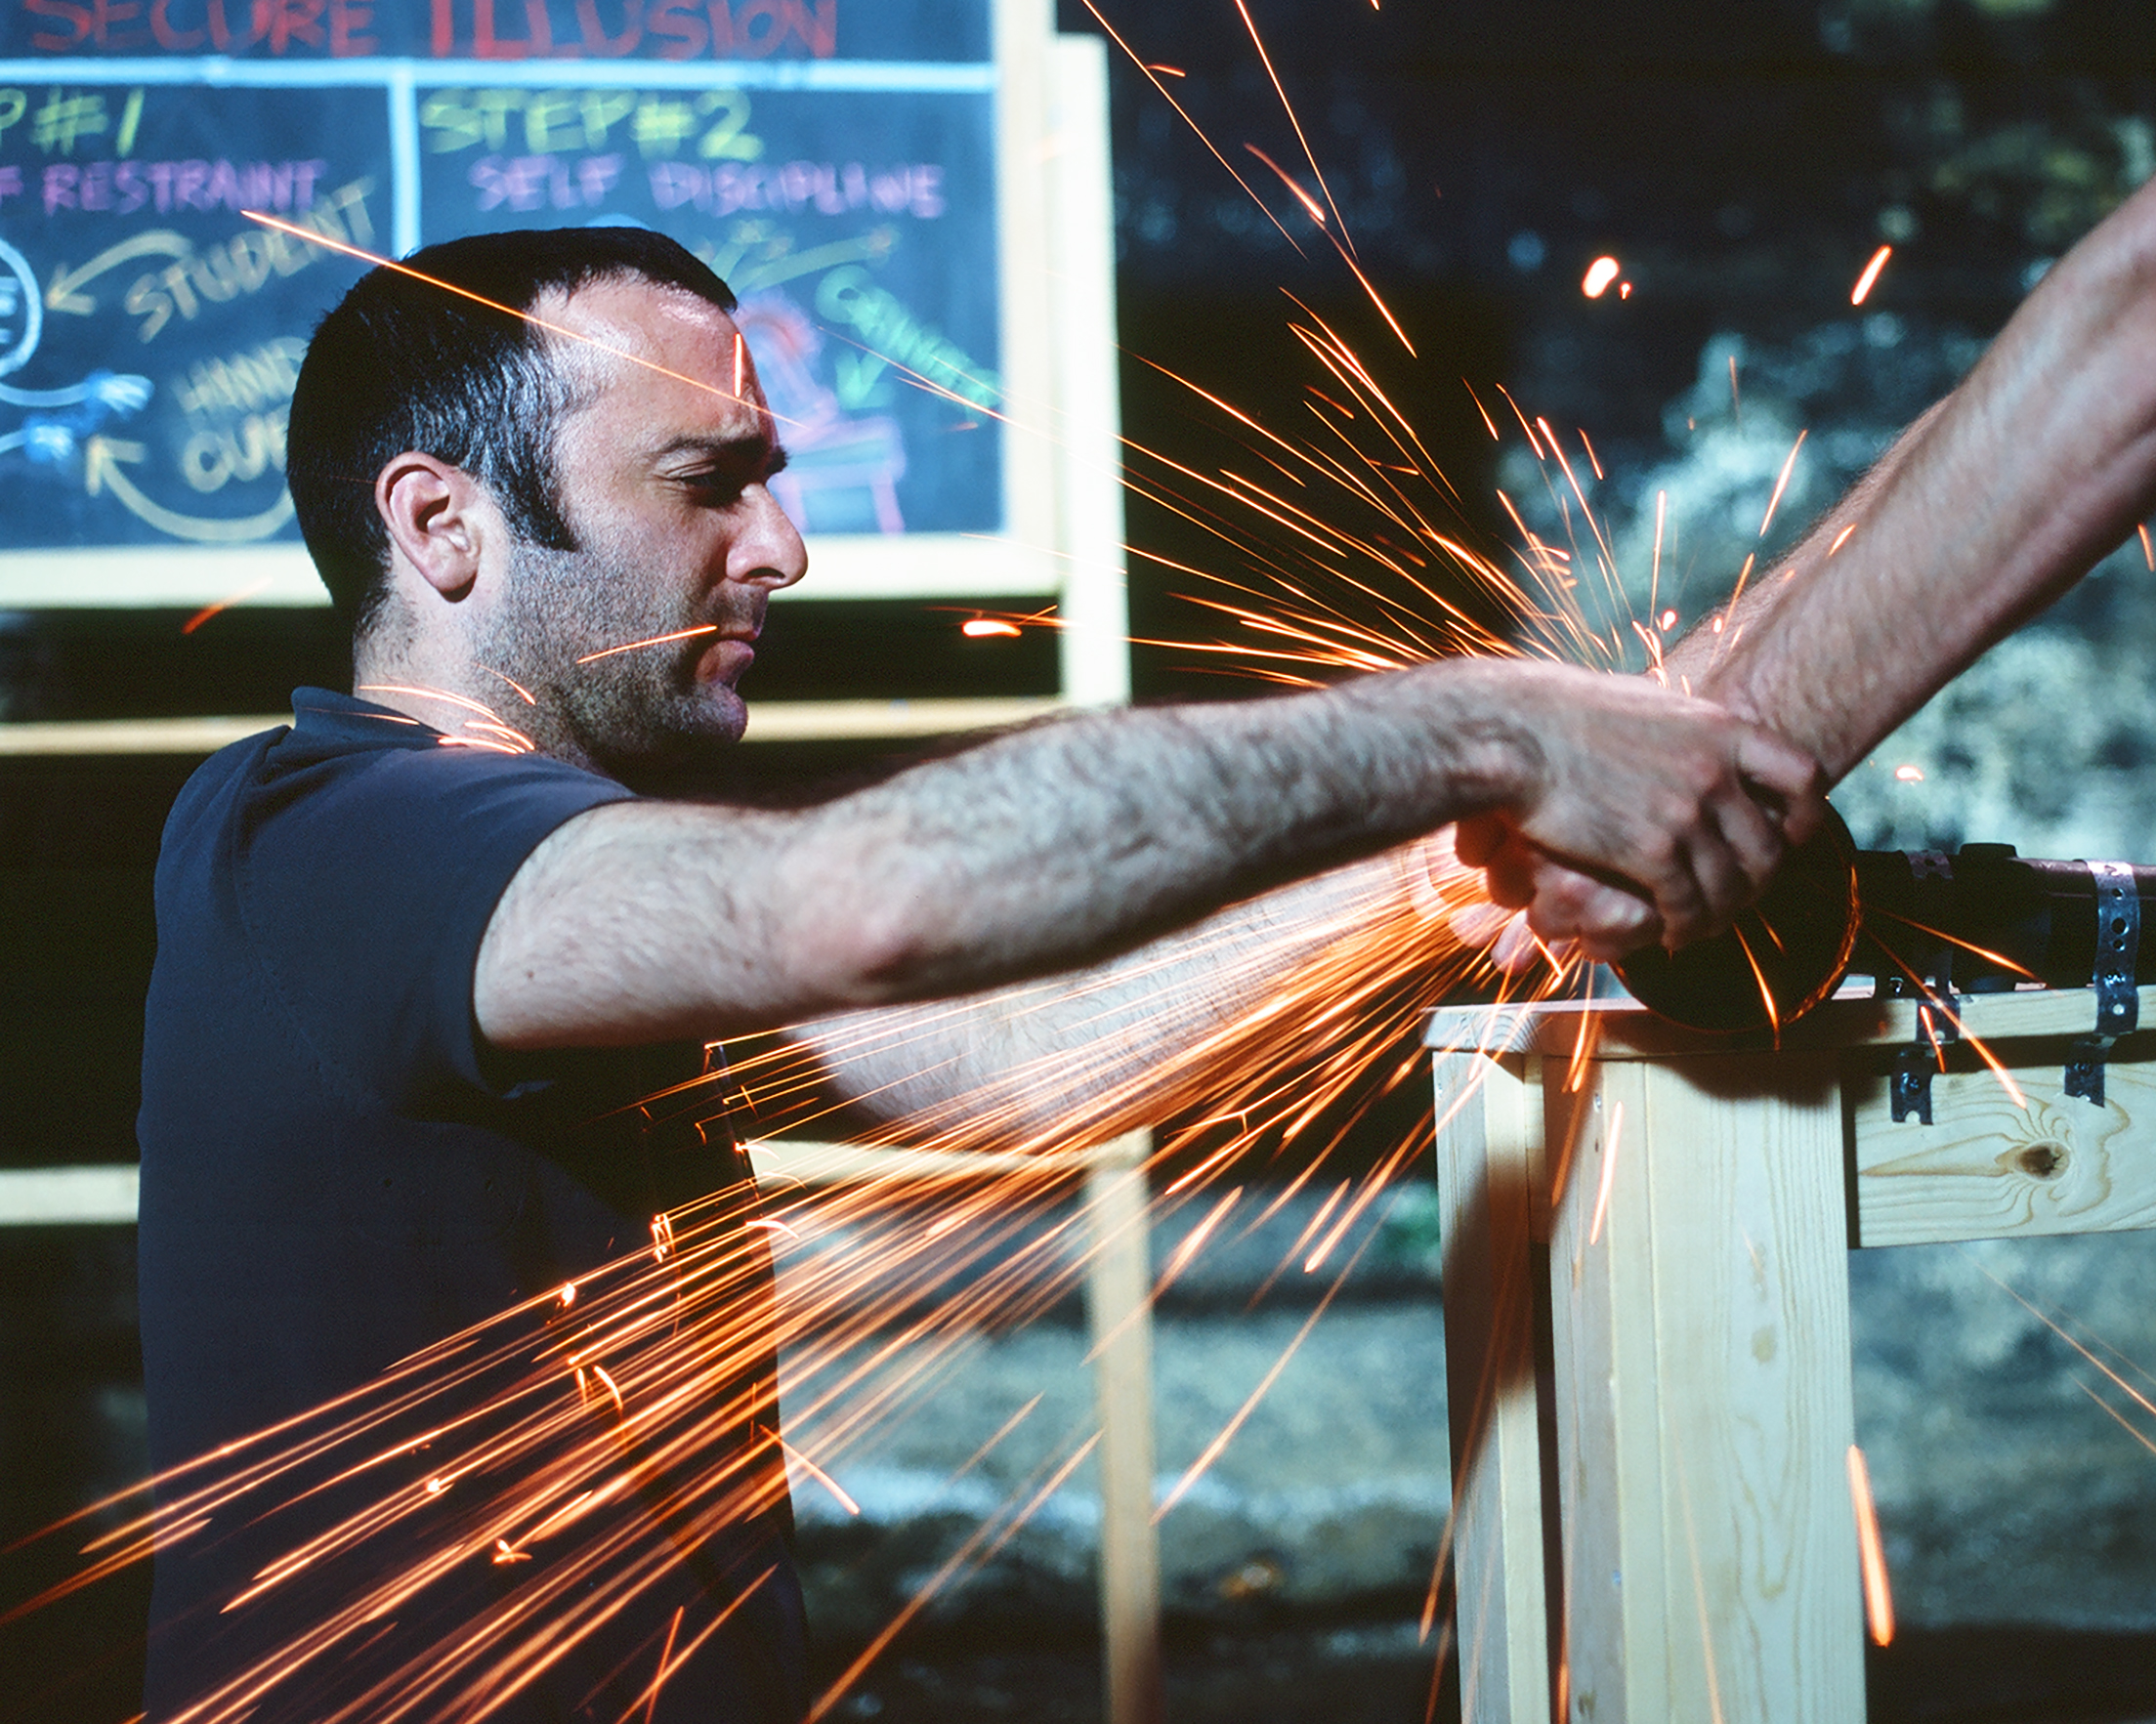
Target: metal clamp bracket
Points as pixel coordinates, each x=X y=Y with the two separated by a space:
x=2118 y=995
x=1937 y=1024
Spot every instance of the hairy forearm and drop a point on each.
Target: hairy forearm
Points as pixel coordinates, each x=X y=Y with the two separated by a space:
x=1086 y=1055
x=1992 y=504
x=1031 y=853
x=1065 y=843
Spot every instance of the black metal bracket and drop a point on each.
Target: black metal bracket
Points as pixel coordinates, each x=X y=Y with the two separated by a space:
x=2118 y=996
x=1937 y=1024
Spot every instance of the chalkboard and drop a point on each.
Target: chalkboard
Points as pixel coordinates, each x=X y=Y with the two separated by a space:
x=149 y=332
x=858 y=228
x=499 y=30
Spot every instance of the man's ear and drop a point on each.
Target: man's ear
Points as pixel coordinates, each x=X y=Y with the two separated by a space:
x=435 y=513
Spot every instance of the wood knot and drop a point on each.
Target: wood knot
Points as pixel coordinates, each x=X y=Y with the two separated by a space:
x=2043 y=1160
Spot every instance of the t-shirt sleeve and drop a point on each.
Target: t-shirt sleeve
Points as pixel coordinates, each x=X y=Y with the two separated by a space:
x=366 y=884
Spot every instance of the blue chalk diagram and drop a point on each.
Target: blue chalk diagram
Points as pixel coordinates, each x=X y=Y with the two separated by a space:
x=59 y=421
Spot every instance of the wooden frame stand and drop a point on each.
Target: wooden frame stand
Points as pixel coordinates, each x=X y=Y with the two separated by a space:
x=1647 y=1323
x=1119 y=1304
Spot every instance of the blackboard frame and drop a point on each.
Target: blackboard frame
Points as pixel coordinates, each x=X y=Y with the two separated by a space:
x=1020 y=560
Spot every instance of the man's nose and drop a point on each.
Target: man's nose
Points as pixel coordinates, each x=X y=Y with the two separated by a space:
x=768 y=550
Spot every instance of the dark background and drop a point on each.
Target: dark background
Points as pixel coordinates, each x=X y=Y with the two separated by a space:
x=1742 y=161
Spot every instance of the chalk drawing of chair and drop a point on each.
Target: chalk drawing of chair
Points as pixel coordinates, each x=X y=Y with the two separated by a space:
x=855 y=463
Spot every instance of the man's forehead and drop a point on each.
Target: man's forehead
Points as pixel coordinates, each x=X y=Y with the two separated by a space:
x=639 y=332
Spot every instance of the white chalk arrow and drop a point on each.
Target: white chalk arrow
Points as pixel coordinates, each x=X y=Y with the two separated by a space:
x=102 y=470
x=63 y=292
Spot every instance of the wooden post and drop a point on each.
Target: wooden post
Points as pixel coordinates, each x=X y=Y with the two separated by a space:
x=1119 y=1303
x=1118 y=1300
x=1691 y=1392
x=1701 y=1363
x=1093 y=636
x=1489 y=1154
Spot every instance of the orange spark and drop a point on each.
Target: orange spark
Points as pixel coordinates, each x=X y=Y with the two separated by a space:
x=1857 y=295
x=665 y=1668
x=2117 y=1381
x=1653 y=572
x=525 y=693
x=1781 y=483
x=1841 y=538
x=980 y=627
x=2148 y=551
x=1180 y=1259
x=1309 y=203
x=1001 y=1431
x=1348 y=1216
x=1183 y=113
x=957 y=1561
x=511 y=742
x=1168 y=71
x=1600 y=273
x=1310 y=156
x=2124 y=1423
x=1593 y=460
x=1878 y=1599
x=253 y=588
x=1609 y=1173
x=1583 y=1044
x=1999 y=959
x=1212 y=1451
x=821 y=1477
x=1480 y=408
x=1910 y=774
x=680 y=634
x=1758 y=977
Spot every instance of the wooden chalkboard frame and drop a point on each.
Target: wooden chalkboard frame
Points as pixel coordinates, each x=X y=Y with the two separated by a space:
x=1061 y=539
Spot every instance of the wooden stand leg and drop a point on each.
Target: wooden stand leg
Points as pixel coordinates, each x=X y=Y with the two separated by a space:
x=1488 y=1162
x=1702 y=1397
x=1118 y=1301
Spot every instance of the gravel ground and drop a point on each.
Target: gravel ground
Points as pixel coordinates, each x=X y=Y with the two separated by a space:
x=1377 y=1674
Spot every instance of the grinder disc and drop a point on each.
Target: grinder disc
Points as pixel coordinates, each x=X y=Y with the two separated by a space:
x=1783 y=957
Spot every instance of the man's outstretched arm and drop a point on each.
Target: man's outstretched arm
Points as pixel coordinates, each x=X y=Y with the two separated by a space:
x=1089 y=1054
x=1983 y=512
x=1067 y=844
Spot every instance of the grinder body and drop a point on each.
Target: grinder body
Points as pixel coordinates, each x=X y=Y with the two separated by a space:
x=1983 y=920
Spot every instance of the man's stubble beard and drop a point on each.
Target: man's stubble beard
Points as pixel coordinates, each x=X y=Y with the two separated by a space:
x=640 y=716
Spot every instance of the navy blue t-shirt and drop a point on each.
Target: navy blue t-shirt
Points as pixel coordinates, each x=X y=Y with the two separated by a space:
x=338 y=1174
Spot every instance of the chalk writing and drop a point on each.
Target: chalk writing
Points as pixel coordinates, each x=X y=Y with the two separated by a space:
x=830 y=188
x=121 y=188
x=893 y=335
x=241 y=383
x=459 y=30
x=245 y=262
x=543 y=181
x=62 y=119
x=553 y=122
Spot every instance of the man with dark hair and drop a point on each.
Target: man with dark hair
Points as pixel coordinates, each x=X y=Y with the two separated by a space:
x=402 y=365
x=420 y=954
